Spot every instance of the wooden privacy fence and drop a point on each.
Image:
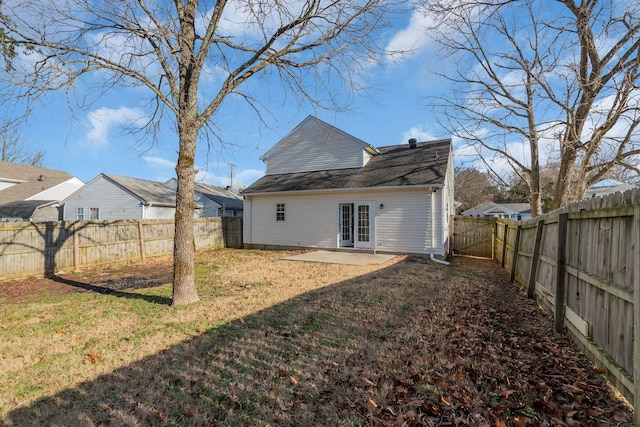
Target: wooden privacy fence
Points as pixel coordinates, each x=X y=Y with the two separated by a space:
x=473 y=236
x=582 y=263
x=30 y=249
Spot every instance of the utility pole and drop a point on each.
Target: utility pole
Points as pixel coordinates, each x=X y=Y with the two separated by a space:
x=231 y=175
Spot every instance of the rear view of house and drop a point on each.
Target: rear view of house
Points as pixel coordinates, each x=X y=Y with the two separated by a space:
x=324 y=188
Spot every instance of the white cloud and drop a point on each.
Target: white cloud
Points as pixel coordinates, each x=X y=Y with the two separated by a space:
x=103 y=120
x=418 y=133
x=159 y=162
x=411 y=39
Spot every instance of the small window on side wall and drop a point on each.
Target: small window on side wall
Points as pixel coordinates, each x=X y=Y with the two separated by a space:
x=280 y=212
x=94 y=213
x=80 y=214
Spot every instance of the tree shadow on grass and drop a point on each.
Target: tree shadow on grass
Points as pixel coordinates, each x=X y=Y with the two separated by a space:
x=113 y=288
x=383 y=346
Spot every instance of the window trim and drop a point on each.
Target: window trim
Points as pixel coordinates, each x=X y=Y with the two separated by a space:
x=280 y=211
x=92 y=211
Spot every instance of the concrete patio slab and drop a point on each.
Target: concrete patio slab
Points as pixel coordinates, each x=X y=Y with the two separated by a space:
x=350 y=258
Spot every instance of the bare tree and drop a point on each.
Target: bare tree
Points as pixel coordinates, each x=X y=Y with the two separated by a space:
x=526 y=82
x=603 y=93
x=472 y=187
x=190 y=55
x=15 y=150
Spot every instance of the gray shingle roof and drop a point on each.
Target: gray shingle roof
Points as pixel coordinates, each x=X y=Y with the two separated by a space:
x=229 y=198
x=498 y=207
x=395 y=166
x=150 y=192
x=22 y=208
x=32 y=180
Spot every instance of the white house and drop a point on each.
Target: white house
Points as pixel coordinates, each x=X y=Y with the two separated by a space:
x=324 y=188
x=516 y=211
x=32 y=193
x=117 y=197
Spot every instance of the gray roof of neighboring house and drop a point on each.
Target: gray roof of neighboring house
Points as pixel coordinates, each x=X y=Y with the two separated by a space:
x=31 y=180
x=502 y=207
x=394 y=166
x=150 y=192
x=22 y=208
x=230 y=199
x=517 y=207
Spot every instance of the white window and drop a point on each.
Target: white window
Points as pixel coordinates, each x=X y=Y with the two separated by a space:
x=94 y=213
x=280 y=212
x=80 y=213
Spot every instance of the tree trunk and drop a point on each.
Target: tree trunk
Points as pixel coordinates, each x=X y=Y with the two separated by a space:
x=568 y=155
x=184 y=286
x=184 y=283
x=535 y=198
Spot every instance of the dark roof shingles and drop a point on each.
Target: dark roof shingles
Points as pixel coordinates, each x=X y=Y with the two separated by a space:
x=395 y=166
x=21 y=208
x=229 y=198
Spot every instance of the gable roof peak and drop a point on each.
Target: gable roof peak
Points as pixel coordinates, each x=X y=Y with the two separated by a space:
x=311 y=120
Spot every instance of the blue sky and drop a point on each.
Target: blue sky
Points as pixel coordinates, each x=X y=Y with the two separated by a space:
x=94 y=141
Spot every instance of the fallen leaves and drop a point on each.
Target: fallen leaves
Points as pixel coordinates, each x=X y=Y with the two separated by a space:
x=93 y=358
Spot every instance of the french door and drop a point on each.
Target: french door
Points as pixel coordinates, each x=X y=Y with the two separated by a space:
x=346 y=225
x=356 y=225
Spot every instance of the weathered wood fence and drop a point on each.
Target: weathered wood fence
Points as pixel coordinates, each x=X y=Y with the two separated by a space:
x=473 y=236
x=582 y=263
x=30 y=249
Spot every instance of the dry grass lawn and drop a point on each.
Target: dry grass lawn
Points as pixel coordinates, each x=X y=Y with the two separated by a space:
x=274 y=343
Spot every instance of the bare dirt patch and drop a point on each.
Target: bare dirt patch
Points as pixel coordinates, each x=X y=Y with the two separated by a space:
x=102 y=279
x=283 y=343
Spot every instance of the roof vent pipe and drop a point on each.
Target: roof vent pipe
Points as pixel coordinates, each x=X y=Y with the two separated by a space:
x=413 y=142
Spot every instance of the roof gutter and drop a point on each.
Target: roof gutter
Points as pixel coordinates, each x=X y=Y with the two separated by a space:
x=348 y=190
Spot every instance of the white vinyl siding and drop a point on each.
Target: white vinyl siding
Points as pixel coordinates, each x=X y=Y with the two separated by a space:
x=161 y=212
x=403 y=225
x=113 y=202
x=315 y=147
x=310 y=222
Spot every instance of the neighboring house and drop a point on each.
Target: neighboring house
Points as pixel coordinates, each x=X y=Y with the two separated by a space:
x=116 y=197
x=216 y=201
x=31 y=193
x=607 y=186
x=324 y=188
x=516 y=211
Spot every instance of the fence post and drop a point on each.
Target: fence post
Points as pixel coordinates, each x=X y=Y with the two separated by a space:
x=76 y=247
x=493 y=238
x=141 y=238
x=515 y=253
x=504 y=243
x=636 y=313
x=561 y=269
x=531 y=290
